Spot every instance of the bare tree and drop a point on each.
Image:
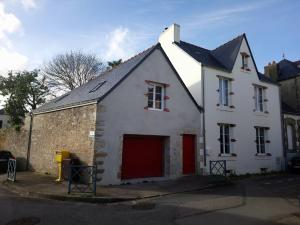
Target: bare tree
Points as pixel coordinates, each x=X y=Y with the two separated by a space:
x=72 y=69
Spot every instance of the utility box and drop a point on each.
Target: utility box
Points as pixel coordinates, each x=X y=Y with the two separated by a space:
x=61 y=155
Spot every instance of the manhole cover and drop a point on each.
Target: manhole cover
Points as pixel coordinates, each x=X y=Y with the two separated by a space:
x=144 y=205
x=25 y=221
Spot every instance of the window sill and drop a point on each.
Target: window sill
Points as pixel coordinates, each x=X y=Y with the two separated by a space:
x=225 y=108
x=155 y=109
x=264 y=156
x=245 y=70
x=227 y=156
x=258 y=113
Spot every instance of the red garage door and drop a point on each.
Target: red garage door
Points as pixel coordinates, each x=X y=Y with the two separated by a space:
x=142 y=157
x=188 y=154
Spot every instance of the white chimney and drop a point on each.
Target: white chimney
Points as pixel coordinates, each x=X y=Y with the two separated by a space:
x=170 y=34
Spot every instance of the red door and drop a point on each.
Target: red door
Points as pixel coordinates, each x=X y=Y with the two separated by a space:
x=188 y=154
x=142 y=157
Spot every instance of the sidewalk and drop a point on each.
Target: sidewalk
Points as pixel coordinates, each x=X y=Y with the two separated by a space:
x=44 y=186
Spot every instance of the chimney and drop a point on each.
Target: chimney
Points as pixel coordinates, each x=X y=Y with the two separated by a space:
x=170 y=34
x=271 y=71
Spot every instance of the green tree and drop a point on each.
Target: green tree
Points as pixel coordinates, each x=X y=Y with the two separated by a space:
x=24 y=91
x=114 y=63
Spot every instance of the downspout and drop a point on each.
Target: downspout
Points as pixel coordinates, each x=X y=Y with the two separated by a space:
x=203 y=116
x=29 y=141
x=282 y=130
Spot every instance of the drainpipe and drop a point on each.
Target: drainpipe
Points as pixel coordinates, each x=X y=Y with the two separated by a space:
x=282 y=130
x=29 y=141
x=203 y=116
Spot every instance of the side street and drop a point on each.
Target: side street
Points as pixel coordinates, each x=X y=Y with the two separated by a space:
x=258 y=200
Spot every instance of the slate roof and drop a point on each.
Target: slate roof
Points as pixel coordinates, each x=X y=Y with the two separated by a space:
x=97 y=88
x=288 y=69
x=222 y=57
x=288 y=109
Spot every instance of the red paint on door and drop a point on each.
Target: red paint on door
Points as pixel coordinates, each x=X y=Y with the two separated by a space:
x=142 y=157
x=188 y=154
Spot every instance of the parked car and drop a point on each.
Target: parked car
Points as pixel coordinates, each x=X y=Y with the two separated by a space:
x=294 y=164
x=4 y=157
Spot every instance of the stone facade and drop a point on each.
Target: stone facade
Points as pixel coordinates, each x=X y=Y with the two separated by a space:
x=16 y=142
x=70 y=129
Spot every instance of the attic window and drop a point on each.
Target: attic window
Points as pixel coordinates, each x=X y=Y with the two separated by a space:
x=245 y=61
x=97 y=86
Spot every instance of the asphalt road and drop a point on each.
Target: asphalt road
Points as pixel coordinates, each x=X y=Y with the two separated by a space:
x=253 y=201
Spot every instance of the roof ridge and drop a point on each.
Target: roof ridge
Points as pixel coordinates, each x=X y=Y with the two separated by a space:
x=196 y=45
x=226 y=43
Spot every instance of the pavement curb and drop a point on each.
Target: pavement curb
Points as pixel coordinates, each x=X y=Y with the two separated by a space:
x=97 y=200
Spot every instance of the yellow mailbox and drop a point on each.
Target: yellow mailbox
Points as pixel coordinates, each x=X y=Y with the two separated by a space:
x=59 y=157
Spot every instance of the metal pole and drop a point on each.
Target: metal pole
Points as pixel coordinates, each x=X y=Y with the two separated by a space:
x=70 y=179
x=29 y=141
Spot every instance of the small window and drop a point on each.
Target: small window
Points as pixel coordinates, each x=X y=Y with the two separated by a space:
x=259 y=96
x=245 y=61
x=225 y=138
x=99 y=85
x=155 y=96
x=224 y=91
x=1 y=124
x=261 y=134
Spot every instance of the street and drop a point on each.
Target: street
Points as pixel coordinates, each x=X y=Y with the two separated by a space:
x=262 y=200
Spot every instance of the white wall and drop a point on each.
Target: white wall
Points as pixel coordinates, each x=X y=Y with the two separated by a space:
x=244 y=117
x=124 y=113
x=188 y=68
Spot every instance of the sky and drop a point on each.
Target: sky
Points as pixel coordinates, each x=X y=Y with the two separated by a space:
x=34 y=31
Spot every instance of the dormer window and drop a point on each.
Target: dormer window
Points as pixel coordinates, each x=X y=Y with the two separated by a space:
x=245 y=61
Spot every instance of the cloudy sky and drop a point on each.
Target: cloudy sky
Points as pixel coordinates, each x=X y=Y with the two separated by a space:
x=33 y=31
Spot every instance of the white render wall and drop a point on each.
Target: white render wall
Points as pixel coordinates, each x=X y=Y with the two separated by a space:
x=244 y=117
x=123 y=113
x=183 y=63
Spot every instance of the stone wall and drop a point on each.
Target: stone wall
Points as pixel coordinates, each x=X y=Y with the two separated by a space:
x=70 y=129
x=16 y=142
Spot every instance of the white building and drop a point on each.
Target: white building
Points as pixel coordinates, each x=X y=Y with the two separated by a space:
x=242 y=119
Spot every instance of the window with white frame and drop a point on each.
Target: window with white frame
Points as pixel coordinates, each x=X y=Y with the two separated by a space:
x=245 y=61
x=225 y=130
x=259 y=96
x=156 y=96
x=261 y=140
x=224 y=86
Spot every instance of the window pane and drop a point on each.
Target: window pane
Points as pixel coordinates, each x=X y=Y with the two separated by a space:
x=158 y=97
x=290 y=141
x=221 y=139
x=227 y=148
x=150 y=103
x=225 y=92
x=262 y=148
x=220 y=91
x=260 y=99
x=158 y=105
x=158 y=89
